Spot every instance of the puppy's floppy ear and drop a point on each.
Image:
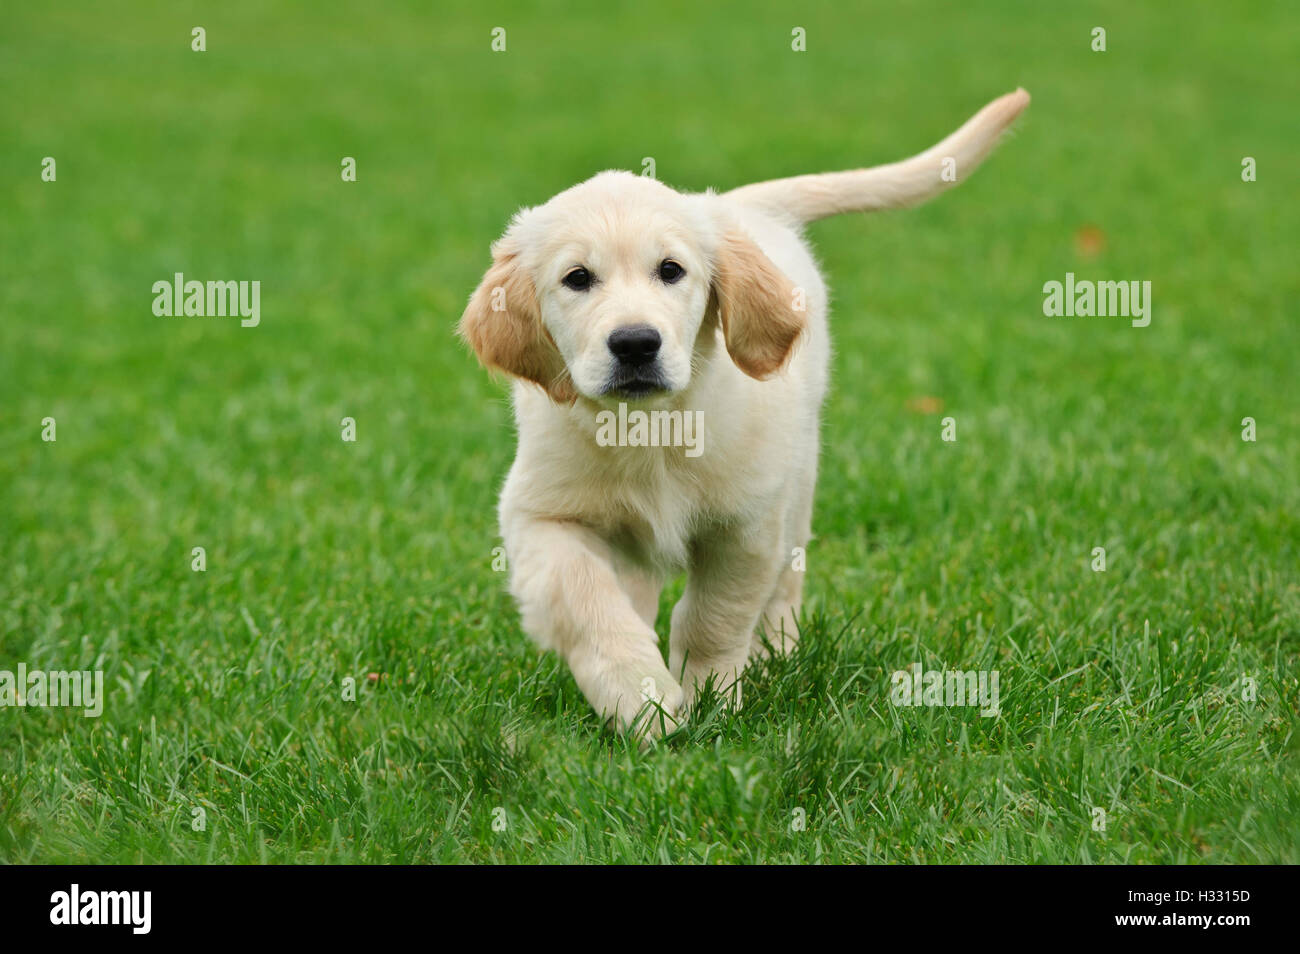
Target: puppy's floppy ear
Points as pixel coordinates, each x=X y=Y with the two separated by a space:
x=761 y=313
x=503 y=324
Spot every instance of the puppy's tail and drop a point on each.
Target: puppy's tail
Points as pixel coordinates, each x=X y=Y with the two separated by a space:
x=812 y=197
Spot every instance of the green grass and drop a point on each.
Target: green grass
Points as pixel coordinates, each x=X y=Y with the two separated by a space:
x=329 y=560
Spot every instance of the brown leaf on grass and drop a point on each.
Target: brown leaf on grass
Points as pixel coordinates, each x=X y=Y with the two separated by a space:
x=924 y=404
x=1089 y=241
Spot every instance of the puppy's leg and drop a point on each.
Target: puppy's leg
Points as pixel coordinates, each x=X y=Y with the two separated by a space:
x=643 y=588
x=731 y=574
x=571 y=600
x=780 y=620
x=780 y=623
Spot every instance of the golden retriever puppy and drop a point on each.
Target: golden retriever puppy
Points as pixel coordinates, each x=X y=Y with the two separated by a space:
x=670 y=353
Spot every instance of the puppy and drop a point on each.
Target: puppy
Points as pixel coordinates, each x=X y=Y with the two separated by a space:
x=704 y=313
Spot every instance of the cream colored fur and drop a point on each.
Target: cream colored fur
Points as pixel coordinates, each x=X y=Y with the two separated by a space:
x=592 y=532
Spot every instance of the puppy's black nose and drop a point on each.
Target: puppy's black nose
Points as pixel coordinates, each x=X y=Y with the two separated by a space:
x=635 y=345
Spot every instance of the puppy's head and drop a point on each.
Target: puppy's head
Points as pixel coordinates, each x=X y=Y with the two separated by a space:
x=612 y=287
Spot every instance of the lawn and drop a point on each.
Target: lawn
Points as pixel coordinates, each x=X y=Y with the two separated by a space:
x=1148 y=711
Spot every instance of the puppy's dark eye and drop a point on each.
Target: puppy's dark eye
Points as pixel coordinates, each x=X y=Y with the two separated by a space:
x=579 y=279
x=670 y=271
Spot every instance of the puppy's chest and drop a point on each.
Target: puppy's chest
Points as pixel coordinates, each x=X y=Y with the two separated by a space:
x=648 y=503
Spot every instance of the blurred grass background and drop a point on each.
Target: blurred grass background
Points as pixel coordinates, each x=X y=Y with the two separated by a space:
x=328 y=560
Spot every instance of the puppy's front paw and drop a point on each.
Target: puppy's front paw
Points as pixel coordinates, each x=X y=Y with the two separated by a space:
x=636 y=695
x=662 y=710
